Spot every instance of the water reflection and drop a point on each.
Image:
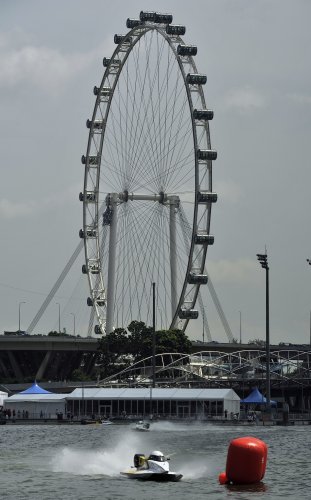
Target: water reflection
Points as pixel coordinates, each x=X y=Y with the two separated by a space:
x=247 y=488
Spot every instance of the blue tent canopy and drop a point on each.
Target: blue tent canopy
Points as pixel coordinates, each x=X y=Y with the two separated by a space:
x=255 y=397
x=35 y=389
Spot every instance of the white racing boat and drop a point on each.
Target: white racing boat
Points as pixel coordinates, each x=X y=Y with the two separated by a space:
x=152 y=468
x=142 y=426
x=106 y=422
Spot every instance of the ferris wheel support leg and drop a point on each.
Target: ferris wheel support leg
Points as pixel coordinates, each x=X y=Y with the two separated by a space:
x=111 y=269
x=173 y=259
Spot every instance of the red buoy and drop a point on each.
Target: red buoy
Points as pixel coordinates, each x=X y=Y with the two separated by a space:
x=246 y=461
x=223 y=478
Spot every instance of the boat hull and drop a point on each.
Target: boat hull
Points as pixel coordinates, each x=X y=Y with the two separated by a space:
x=152 y=476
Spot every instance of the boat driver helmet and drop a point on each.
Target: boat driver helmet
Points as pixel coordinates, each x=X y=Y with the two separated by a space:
x=157 y=456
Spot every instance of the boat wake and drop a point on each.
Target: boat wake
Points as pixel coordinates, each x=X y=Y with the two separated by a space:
x=195 y=469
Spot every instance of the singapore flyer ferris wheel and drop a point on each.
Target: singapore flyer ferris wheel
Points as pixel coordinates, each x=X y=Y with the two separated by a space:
x=147 y=192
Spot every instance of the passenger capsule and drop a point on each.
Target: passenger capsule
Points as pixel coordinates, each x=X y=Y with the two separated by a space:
x=203 y=239
x=206 y=154
x=196 y=79
x=203 y=114
x=92 y=160
x=187 y=50
x=122 y=39
x=89 y=196
x=188 y=314
x=163 y=18
x=103 y=92
x=97 y=124
x=97 y=330
x=175 y=29
x=147 y=16
x=90 y=233
x=197 y=279
x=94 y=268
x=84 y=269
x=112 y=62
x=90 y=301
x=132 y=23
x=207 y=197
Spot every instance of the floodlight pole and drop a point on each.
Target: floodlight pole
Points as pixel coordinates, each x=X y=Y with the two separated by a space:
x=309 y=262
x=240 y=327
x=263 y=259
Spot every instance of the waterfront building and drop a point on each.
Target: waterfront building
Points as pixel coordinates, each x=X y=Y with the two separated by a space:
x=168 y=403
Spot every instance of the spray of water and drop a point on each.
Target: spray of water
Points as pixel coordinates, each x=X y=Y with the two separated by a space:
x=119 y=456
x=166 y=426
x=90 y=462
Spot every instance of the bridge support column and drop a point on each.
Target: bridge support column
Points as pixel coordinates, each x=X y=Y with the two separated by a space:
x=41 y=370
x=15 y=366
x=4 y=369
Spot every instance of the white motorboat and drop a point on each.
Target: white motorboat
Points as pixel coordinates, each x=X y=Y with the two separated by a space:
x=142 y=426
x=152 y=468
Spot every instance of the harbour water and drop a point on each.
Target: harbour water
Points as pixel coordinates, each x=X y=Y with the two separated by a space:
x=84 y=462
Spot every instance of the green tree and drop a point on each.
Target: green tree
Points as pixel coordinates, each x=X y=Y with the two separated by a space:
x=113 y=351
x=122 y=348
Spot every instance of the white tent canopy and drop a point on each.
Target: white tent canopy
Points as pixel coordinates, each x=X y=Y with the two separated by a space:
x=168 y=401
x=3 y=396
x=37 y=405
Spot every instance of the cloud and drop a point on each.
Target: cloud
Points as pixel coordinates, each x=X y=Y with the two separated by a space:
x=10 y=209
x=238 y=272
x=228 y=191
x=245 y=99
x=65 y=197
x=300 y=98
x=42 y=67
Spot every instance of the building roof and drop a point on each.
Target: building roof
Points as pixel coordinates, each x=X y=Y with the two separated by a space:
x=172 y=393
x=34 y=398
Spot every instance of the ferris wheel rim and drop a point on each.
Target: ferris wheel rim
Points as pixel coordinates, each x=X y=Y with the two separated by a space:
x=134 y=36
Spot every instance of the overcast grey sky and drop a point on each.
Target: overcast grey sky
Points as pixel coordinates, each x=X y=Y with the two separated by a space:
x=256 y=55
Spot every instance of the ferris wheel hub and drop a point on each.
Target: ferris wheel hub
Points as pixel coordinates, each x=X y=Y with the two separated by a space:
x=125 y=196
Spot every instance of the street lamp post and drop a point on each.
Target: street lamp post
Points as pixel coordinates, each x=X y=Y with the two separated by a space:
x=263 y=259
x=74 y=323
x=19 y=315
x=58 y=304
